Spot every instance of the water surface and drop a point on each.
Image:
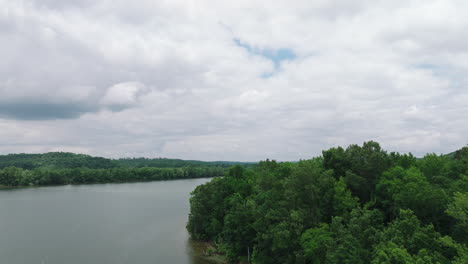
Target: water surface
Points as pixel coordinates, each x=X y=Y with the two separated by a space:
x=134 y=223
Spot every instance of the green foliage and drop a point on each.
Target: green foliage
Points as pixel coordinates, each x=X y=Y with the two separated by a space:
x=55 y=160
x=56 y=168
x=354 y=238
x=316 y=242
x=458 y=209
x=406 y=240
x=360 y=166
x=64 y=160
x=353 y=205
x=409 y=189
x=390 y=253
x=12 y=176
x=461 y=157
x=440 y=169
x=176 y=163
x=403 y=160
x=238 y=233
x=206 y=210
x=343 y=200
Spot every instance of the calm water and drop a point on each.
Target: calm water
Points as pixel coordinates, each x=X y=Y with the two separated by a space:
x=135 y=223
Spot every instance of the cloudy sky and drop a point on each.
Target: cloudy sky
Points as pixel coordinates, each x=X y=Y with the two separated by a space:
x=232 y=80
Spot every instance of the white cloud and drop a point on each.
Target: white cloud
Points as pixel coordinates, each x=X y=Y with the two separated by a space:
x=166 y=78
x=124 y=95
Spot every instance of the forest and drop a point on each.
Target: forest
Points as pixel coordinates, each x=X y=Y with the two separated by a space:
x=59 y=168
x=355 y=205
x=72 y=160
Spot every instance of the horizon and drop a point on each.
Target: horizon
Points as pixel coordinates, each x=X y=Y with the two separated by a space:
x=240 y=161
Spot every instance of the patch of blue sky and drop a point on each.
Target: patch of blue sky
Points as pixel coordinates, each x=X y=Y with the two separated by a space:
x=275 y=55
x=436 y=69
x=427 y=66
x=453 y=75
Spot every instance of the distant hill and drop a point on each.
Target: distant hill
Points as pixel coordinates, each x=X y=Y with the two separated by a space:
x=451 y=154
x=458 y=153
x=176 y=163
x=71 y=160
x=55 y=160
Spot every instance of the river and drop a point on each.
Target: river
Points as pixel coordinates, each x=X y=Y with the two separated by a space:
x=131 y=223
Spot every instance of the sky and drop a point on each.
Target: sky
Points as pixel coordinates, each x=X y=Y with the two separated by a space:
x=238 y=80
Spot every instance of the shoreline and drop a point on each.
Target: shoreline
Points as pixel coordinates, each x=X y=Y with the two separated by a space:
x=206 y=251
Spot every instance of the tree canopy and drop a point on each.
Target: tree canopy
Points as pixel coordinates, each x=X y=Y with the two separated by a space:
x=354 y=205
x=57 y=168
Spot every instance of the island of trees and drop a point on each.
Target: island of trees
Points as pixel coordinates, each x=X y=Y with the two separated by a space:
x=59 y=168
x=356 y=205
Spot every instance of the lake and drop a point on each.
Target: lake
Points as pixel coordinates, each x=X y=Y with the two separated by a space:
x=134 y=223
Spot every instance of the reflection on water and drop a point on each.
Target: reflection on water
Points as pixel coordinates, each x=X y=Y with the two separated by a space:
x=135 y=223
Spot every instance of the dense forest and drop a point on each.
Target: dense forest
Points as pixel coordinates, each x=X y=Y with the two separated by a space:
x=65 y=160
x=354 y=205
x=177 y=163
x=57 y=168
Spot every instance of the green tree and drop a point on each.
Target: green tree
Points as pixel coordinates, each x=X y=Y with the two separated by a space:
x=410 y=189
x=11 y=176
x=316 y=242
x=343 y=201
x=390 y=253
x=458 y=209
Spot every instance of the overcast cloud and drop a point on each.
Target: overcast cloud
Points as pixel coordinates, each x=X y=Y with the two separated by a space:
x=232 y=80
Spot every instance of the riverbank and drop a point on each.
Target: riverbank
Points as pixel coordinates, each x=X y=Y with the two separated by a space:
x=6 y=187
x=207 y=251
x=16 y=177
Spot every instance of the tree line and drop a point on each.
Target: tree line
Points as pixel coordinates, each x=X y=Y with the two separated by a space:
x=13 y=176
x=354 y=205
x=177 y=163
x=57 y=168
x=65 y=160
